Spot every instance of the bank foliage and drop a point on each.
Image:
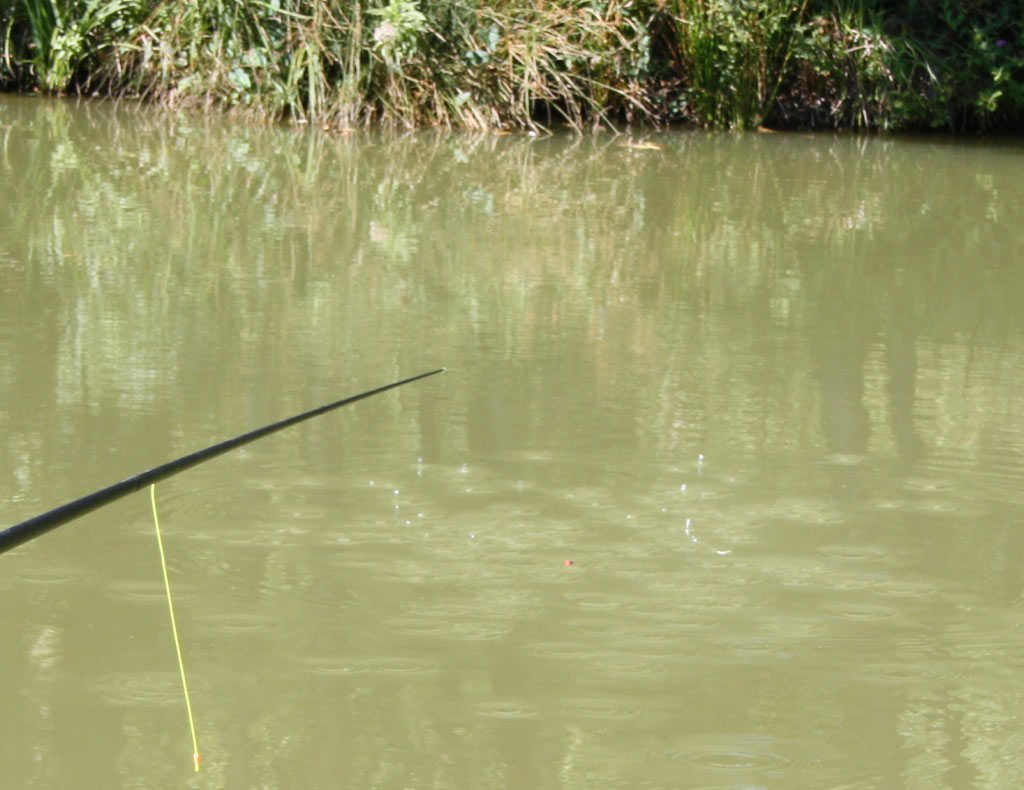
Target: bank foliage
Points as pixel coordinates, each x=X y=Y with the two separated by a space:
x=861 y=64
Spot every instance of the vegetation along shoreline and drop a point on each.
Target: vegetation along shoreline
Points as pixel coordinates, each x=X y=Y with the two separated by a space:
x=950 y=65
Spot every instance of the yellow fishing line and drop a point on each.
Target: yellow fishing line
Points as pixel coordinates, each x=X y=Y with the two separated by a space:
x=196 y=756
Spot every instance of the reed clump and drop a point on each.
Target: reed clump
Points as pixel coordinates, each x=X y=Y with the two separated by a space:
x=479 y=64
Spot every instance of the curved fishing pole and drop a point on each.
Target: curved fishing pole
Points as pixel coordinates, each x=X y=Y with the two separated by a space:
x=36 y=526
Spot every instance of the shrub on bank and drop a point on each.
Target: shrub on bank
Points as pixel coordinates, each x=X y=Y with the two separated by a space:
x=870 y=64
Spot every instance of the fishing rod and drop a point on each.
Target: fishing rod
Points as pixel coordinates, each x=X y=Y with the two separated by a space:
x=44 y=522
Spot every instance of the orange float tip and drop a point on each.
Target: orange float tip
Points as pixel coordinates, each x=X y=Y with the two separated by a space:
x=197 y=760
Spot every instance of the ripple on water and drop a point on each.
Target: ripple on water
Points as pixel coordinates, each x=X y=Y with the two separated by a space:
x=480 y=631
x=986 y=640
x=54 y=573
x=567 y=651
x=794 y=627
x=800 y=571
x=859 y=552
x=932 y=505
x=926 y=485
x=621 y=663
x=732 y=752
x=600 y=601
x=899 y=673
x=624 y=663
x=506 y=709
x=144 y=591
x=895 y=588
x=382 y=665
x=230 y=623
x=139 y=689
x=658 y=638
x=418 y=626
x=865 y=612
x=599 y=708
x=587 y=497
x=276 y=534
x=808 y=511
x=852 y=580
x=696 y=616
x=457 y=620
x=749 y=646
x=845 y=459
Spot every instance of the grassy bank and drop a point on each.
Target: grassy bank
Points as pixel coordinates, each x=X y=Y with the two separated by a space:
x=865 y=64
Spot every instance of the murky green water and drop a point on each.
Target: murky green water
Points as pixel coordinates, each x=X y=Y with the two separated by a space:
x=763 y=392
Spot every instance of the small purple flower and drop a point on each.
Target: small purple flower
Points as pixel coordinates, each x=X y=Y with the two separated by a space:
x=1000 y=43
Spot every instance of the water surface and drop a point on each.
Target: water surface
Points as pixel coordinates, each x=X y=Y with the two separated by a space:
x=723 y=487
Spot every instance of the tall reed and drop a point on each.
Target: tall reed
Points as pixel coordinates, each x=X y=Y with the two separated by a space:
x=736 y=56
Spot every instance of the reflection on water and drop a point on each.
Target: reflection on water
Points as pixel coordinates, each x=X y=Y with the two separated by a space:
x=722 y=487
